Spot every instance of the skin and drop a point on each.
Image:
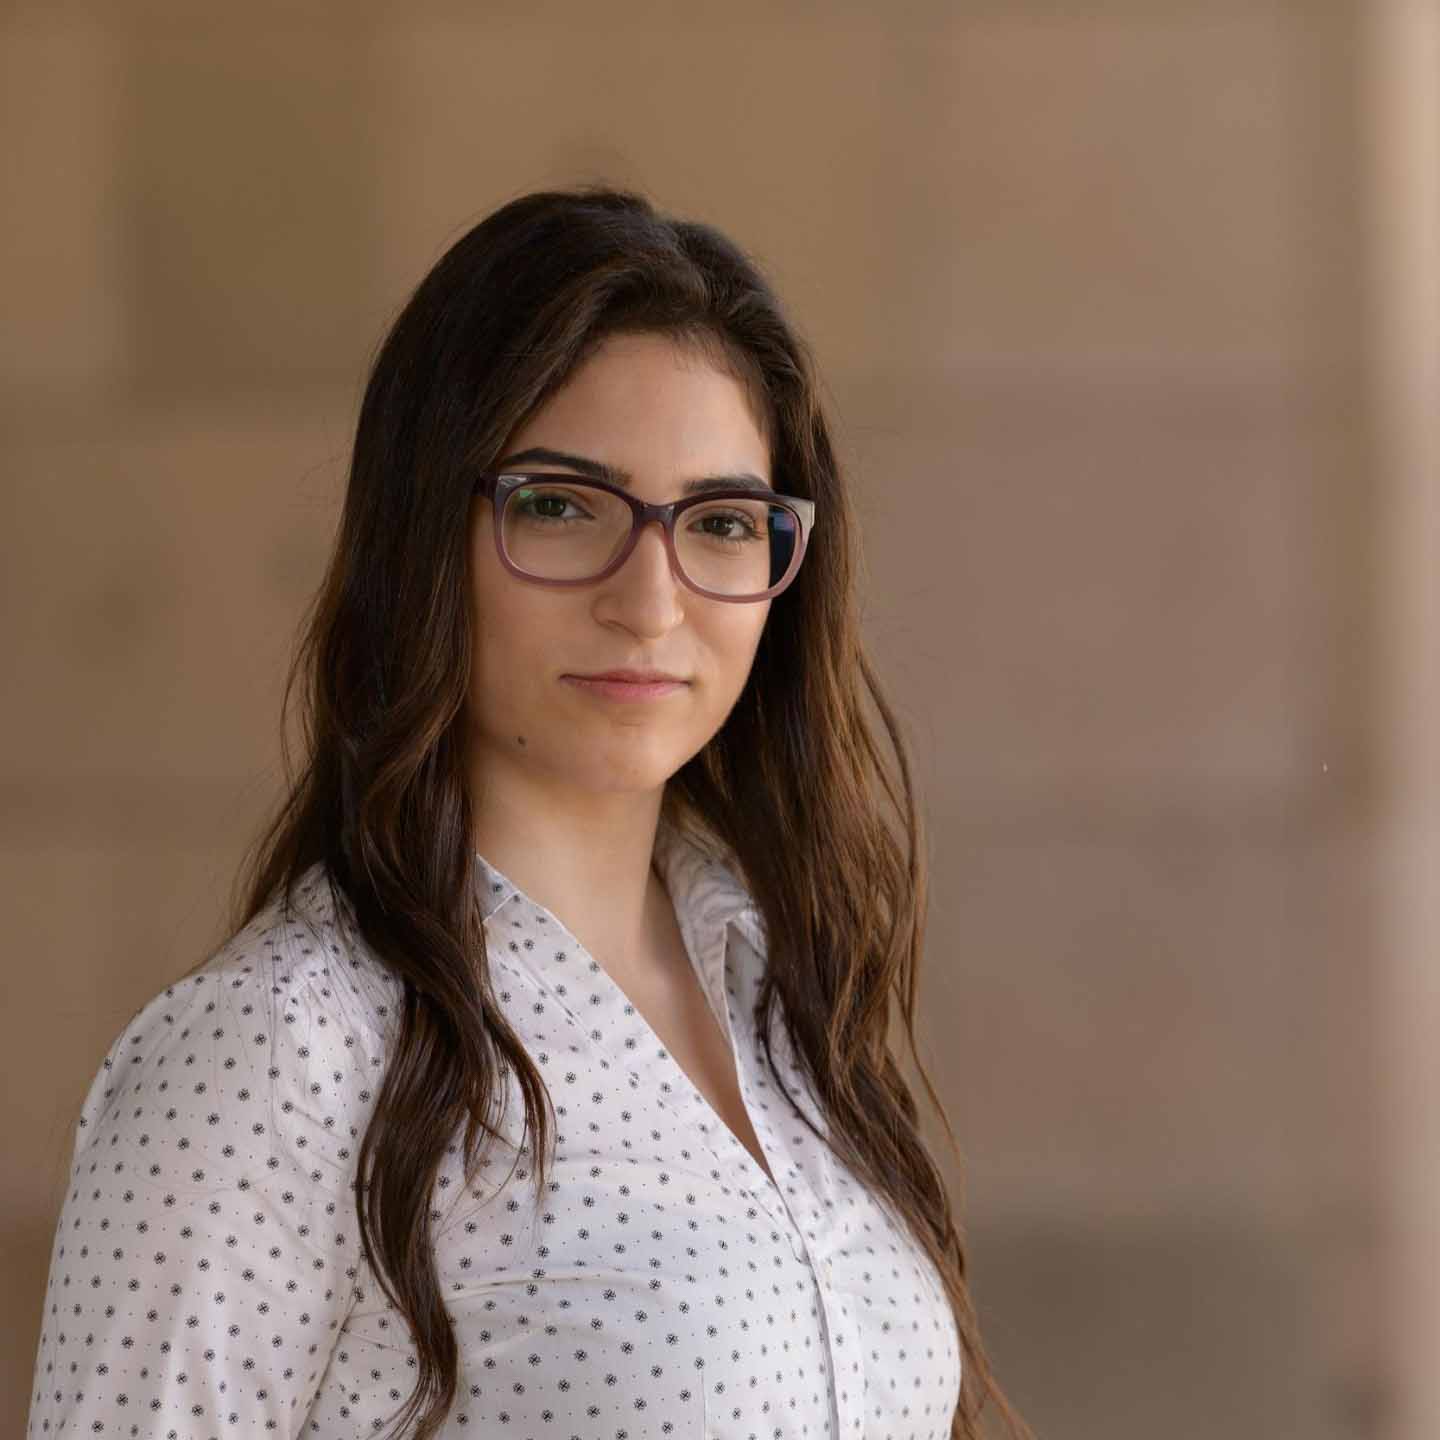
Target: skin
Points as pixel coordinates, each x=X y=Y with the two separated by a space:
x=566 y=787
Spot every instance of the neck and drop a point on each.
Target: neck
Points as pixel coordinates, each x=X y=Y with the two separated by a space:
x=600 y=880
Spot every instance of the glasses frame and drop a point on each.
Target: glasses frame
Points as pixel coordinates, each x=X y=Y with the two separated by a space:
x=496 y=485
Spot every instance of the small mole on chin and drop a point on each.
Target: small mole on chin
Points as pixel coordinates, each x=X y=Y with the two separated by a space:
x=520 y=739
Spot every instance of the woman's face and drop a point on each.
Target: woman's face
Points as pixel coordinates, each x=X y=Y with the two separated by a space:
x=662 y=413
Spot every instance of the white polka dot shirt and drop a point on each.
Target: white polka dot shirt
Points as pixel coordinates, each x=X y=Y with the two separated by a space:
x=206 y=1278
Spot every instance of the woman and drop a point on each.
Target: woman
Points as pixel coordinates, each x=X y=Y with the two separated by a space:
x=543 y=1087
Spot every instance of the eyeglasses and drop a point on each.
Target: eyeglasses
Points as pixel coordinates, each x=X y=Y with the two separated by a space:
x=735 y=545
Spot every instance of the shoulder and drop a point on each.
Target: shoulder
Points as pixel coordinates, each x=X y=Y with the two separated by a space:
x=266 y=1057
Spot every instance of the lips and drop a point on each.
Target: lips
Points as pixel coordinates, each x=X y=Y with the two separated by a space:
x=633 y=677
x=625 y=691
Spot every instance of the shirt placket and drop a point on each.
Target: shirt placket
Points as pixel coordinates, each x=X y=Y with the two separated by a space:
x=578 y=982
x=802 y=1222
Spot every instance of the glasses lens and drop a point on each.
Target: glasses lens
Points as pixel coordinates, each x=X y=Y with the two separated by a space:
x=563 y=530
x=567 y=530
x=736 y=547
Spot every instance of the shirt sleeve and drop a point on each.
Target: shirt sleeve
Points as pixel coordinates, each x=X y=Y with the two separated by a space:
x=207 y=1250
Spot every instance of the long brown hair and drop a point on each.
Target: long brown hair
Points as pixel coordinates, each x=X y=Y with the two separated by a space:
x=794 y=786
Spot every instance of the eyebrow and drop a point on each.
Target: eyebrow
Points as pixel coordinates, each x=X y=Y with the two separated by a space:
x=599 y=470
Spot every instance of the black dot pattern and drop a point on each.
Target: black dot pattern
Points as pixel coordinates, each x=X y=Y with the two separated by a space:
x=206 y=1278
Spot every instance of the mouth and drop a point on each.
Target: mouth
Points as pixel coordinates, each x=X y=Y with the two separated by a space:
x=633 y=677
x=609 y=687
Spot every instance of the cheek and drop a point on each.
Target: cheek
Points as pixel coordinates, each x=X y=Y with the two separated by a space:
x=734 y=644
x=510 y=634
x=509 y=646
x=754 y=627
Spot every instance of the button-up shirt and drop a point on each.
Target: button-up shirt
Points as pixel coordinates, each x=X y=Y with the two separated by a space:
x=206 y=1277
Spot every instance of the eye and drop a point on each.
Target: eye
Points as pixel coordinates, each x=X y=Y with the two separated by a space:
x=730 y=519
x=547 y=503
x=730 y=522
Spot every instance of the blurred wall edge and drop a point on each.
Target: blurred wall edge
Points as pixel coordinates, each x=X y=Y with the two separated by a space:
x=1402 y=73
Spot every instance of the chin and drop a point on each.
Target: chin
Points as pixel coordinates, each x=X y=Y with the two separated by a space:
x=611 y=771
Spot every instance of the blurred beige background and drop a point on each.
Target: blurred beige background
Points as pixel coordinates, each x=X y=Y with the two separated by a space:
x=1122 y=310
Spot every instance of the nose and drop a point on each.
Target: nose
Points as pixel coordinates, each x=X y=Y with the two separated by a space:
x=650 y=559
x=645 y=592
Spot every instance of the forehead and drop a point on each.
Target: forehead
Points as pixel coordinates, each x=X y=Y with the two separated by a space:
x=649 y=397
